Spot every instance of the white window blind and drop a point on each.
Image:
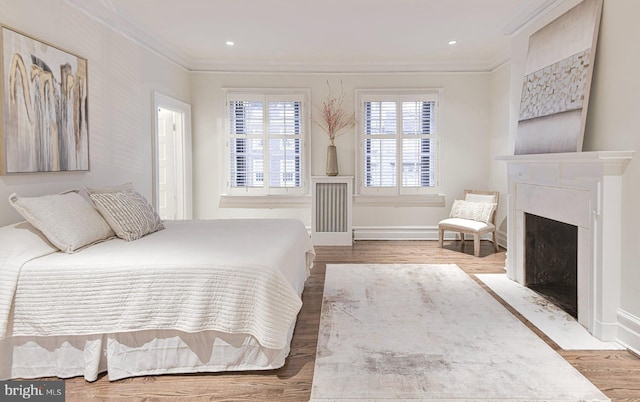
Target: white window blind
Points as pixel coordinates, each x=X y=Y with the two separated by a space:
x=266 y=143
x=398 y=138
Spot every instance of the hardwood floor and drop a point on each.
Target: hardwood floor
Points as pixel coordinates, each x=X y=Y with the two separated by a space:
x=616 y=373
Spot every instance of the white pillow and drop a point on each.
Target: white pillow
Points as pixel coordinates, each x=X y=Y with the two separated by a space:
x=127 y=212
x=477 y=211
x=67 y=220
x=490 y=198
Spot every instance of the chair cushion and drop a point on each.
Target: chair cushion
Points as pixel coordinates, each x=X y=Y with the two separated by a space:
x=465 y=225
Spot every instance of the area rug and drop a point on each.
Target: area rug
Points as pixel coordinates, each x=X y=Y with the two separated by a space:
x=554 y=322
x=430 y=333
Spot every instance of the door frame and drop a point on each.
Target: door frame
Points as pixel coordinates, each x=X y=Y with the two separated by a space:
x=166 y=102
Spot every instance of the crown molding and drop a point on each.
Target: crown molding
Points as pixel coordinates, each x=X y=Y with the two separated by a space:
x=527 y=14
x=466 y=66
x=103 y=11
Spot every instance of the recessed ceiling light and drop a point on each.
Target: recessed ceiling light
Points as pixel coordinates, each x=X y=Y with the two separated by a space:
x=230 y=43
x=453 y=42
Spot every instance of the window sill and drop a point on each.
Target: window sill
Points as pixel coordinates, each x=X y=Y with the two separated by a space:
x=426 y=200
x=265 y=201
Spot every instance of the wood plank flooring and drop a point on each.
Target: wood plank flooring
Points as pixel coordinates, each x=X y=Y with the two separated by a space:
x=616 y=373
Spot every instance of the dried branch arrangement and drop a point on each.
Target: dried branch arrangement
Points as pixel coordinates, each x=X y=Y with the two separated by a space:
x=335 y=117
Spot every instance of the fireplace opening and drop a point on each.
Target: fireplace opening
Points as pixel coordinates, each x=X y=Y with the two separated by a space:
x=551 y=261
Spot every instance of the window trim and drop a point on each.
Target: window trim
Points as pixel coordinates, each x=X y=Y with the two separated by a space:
x=266 y=193
x=398 y=192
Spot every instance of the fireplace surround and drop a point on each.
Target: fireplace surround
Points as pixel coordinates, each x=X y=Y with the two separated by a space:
x=583 y=189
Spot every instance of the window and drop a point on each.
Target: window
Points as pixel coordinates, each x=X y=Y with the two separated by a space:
x=397 y=142
x=267 y=134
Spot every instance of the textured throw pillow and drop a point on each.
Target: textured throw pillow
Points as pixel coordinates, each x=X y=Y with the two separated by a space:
x=67 y=220
x=128 y=213
x=477 y=211
x=490 y=198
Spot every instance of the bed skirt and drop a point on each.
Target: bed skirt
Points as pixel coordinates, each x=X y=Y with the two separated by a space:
x=132 y=354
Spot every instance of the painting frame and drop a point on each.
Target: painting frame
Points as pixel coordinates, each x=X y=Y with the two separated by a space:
x=44 y=121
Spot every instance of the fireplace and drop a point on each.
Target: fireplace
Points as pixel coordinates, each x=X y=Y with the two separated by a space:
x=582 y=190
x=551 y=261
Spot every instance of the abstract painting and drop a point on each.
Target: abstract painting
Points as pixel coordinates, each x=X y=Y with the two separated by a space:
x=557 y=82
x=44 y=107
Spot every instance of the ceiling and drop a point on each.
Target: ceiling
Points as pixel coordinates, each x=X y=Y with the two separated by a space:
x=323 y=35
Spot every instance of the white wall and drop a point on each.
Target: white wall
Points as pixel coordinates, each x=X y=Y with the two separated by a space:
x=464 y=139
x=614 y=124
x=500 y=142
x=122 y=77
x=613 y=117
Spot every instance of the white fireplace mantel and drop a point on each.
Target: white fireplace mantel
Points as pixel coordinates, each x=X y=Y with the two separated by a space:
x=582 y=189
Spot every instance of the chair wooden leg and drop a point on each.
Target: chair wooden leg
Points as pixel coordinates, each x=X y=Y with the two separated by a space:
x=440 y=237
x=461 y=236
x=476 y=244
x=495 y=241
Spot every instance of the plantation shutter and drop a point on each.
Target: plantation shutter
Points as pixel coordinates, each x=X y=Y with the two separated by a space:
x=285 y=143
x=246 y=143
x=399 y=143
x=417 y=144
x=380 y=144
x=265 y=142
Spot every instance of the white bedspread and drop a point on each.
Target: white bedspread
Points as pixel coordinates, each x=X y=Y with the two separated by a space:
x=19 y=244
x=234 y=276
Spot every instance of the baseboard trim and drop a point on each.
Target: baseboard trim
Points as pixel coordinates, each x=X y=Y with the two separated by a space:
x=410 y=233
x=397 y=233
x=502 y=239
x=629 y=331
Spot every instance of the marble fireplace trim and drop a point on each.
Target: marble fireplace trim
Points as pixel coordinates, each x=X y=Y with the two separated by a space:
x=582 y=189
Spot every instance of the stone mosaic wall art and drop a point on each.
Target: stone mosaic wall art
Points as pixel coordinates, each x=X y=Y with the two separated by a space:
x=556 y=88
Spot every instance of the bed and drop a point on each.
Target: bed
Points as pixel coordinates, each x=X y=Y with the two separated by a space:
x=196 y=296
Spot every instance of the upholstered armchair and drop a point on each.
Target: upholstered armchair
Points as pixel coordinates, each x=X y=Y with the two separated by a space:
x=475 y=215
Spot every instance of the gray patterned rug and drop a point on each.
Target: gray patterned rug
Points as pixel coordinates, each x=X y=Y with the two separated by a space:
x=430 y=333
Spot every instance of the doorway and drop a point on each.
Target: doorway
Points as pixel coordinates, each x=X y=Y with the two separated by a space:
x=172 y=158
